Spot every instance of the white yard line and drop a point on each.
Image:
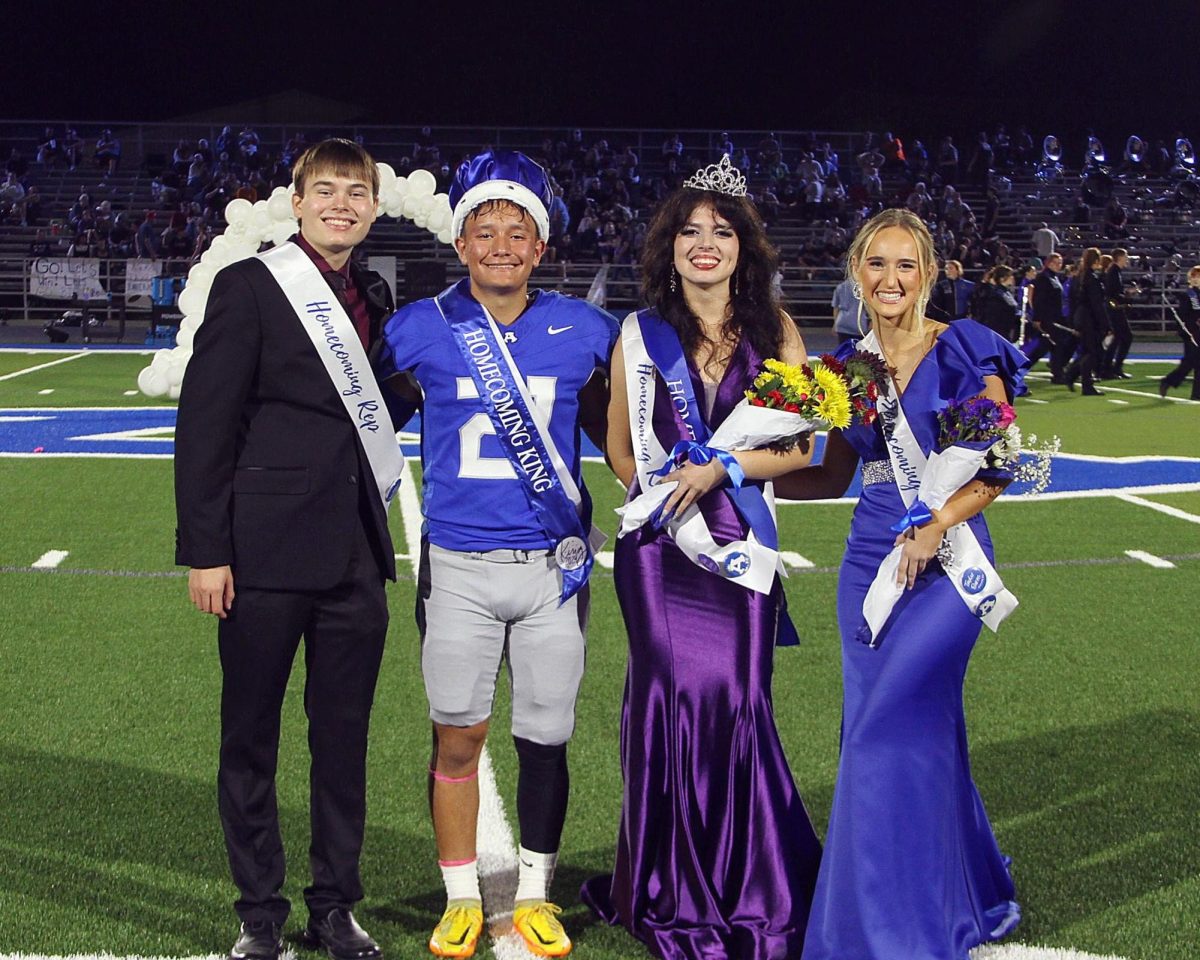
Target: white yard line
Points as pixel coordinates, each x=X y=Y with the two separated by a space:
x=795 y=560
x=605 y=559
x=1123 y=403
x=410 y=514
x=46 y=392
x=1160 y=507
x=1150 y=559
x=495 y=845
x=50 y=559
x=42 y=366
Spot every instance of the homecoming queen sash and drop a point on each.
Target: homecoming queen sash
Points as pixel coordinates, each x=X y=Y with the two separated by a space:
x=651 y=346
x=921 y=488
x=524 y=434
x=336 y=341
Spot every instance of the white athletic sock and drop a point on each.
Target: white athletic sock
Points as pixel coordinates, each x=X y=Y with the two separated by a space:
x=535 y=874
x=461 y=880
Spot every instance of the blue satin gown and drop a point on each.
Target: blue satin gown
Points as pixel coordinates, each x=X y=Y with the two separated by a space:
x=911 y=868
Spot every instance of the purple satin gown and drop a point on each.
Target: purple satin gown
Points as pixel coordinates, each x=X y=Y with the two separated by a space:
x=716 y=855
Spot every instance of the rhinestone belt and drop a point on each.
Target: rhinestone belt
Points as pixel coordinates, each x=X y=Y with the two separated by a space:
x=877 y=471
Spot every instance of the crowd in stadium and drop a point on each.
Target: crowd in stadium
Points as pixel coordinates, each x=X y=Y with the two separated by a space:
x=604 y=191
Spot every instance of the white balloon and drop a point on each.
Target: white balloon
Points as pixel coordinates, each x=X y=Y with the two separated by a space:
x=422 y=183
x=175 y=390
x=192 y=301
x=237 y=209
x=153 y=382
x=402 y=186
x=241 y=251
x=201 y=276
x=220 y=243
x=394 y=206
x=280 y=191
x=191 y=322
x=412 y=204
x=281 y=231
x=160 y=359
x=279 y=206
x=185 y=336
x=387 y=176
x=145 y=380
x=444 y=235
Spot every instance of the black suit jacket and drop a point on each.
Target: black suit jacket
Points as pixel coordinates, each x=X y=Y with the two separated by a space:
x=270 y=477
x=1047 y=300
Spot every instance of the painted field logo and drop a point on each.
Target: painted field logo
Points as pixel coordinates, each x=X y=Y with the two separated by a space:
x=736 y=564
x=973 y=580
x=985 y=606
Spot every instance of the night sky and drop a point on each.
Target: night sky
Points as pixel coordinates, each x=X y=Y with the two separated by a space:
x=929 y=68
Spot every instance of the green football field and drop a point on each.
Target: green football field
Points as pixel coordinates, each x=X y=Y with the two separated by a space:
x=1084 y=711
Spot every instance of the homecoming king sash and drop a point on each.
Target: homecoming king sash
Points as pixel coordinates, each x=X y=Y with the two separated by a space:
x=649 y=345
x=968 y=568
x=524 y=434
x=336 y=341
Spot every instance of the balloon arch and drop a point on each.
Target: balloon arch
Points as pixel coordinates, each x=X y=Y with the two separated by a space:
x=249 y=226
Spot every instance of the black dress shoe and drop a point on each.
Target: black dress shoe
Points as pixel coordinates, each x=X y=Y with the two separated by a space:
x=258 y=940
x=1122 y=375
x=1163 y=388
x=339 y=934
x=1090 y=391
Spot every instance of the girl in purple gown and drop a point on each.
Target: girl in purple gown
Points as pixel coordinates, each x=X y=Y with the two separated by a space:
x=911 y=868
x=716 y=856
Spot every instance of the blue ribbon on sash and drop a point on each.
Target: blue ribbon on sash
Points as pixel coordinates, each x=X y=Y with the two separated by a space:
x=666 y=352
x=699 y=454
x=915 y=516
x=514 y=424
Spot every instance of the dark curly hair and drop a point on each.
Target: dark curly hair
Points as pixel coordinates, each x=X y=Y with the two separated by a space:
x=754 y=309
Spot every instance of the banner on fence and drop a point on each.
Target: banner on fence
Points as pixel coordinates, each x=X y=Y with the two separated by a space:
x=63 y=278
x=138 y=274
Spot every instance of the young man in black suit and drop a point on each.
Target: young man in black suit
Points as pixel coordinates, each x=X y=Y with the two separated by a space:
x=285 y=459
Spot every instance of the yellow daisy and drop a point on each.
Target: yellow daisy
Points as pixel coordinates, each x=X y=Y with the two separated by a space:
x=834 y=408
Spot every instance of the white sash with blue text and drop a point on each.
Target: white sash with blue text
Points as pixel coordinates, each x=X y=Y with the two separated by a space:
x=747 y=562
x=336 y=341
x=973 y=576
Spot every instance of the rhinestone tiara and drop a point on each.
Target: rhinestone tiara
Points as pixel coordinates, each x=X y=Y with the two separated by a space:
x=721 y=177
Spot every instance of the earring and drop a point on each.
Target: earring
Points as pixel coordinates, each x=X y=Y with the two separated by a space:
x=733 y=286
x=674 y=280
x=856 y=289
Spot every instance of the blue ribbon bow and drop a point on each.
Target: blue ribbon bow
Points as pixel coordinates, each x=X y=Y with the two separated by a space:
x=700 y=454
x=914 y=516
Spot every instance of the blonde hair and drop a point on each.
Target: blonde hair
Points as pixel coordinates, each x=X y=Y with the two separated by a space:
x=926 y=254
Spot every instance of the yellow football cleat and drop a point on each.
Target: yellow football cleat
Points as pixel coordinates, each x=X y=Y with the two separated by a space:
x=458 y=931
x=537 y=923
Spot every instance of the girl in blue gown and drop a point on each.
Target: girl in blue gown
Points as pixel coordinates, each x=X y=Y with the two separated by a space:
x=911 y=868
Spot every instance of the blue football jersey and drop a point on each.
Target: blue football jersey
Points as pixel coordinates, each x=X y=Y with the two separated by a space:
x=473 y=498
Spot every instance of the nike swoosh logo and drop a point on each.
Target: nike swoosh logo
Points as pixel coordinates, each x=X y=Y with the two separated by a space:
x=553 y=330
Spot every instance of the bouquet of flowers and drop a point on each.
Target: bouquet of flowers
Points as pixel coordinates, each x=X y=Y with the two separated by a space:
x=980 y=421
x=828 y=392
x=973 y=434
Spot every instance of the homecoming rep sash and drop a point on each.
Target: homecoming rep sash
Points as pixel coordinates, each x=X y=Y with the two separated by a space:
x=336 y=341
x=973 y=576
x=524 y=434
x=649 y=344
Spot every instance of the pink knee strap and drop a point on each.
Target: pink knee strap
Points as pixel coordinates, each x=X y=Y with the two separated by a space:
x=456 y=863
x=442 y=778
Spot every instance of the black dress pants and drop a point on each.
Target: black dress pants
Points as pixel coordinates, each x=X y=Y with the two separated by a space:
x=1189 y=364
x=1065 y=343
x=1084 y=365
x=1118 y=350
x=344 y=629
